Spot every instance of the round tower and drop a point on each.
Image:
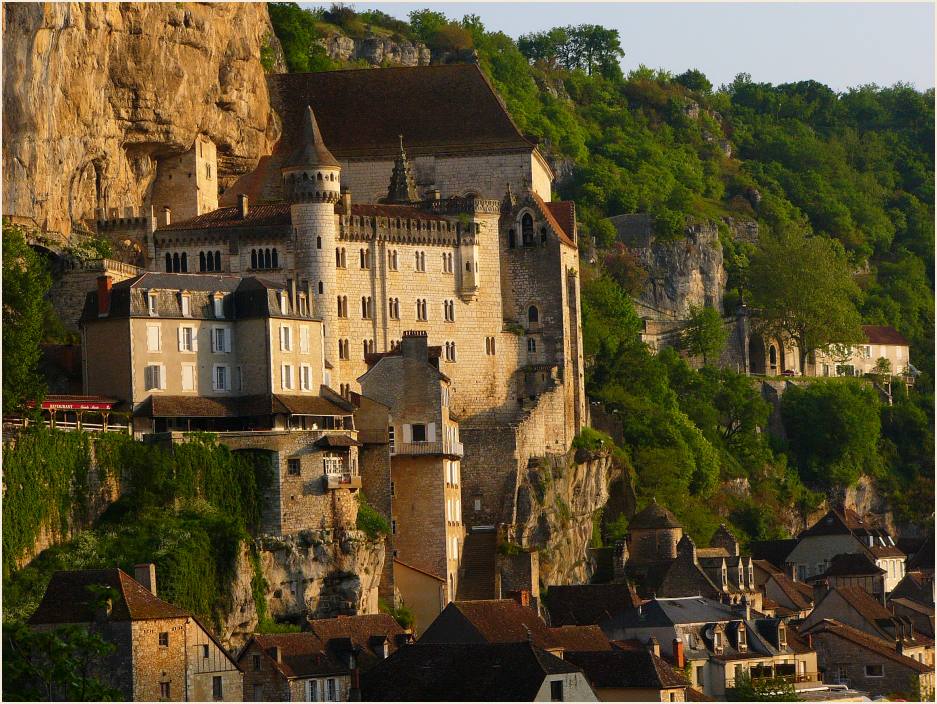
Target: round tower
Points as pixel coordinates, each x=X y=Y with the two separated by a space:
x=654 y=534
x=311 y=179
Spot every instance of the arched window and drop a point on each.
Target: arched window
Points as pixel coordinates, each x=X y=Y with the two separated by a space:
x=185 y=262
x=168 y=262
x=531 y=344
x=217 y=261
x=175 y=261
x=267 y=259
x=527 y=230
x=468 y=266
x=533 y=315
x=320 y=287
x=512 y=239
x=338 y=257
x=201 y=260
x=276 y=259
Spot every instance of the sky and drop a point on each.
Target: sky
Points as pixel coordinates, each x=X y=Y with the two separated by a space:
x=840 y=44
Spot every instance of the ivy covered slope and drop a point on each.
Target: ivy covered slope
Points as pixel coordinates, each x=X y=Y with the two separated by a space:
x=841 y=186
x=187 y=509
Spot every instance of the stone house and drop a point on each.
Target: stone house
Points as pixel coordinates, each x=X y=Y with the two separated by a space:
x=854 y=569
x=920 y=615
x=840 y=532
x=853 y=657
x=783 y=596
x=294 y=667
x=517 y=671
x=717 y=642
x=881 y=342
x=162 y=652
x=372 y=637
x=636 y=675
x=426 y=453
x=855 y=607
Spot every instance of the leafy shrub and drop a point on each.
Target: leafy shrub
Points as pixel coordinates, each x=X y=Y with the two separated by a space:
x=370 y=520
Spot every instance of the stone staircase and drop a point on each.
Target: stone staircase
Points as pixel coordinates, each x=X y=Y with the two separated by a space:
x=477 y=580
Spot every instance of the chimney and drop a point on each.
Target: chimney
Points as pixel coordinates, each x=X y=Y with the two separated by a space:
x=275 y=653
x=521 y=596
x=414 y=345
x=810 y=641
x=145 y=574
x=104 y=295
x=820 y=588
x=354 y=694
x=167 y=215
x=679 y=659
x=346 y=200
x=242 y=205
x=291 y=283
x=653 y=646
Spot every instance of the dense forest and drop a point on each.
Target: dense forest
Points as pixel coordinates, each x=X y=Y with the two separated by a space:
x=842 y=188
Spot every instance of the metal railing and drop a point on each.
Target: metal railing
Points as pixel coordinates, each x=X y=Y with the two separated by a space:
x=439 y=447
x=86 y=426
x=797 y=678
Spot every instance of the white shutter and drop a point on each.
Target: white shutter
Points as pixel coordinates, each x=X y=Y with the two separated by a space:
x=227 y=378
x=282 y=338
x=214 y=378
x=188 y=377
x=195 y=339
x=179 y=337
x=162 y=376
x=227 y=339
x=304 y=339
x=282 y=374
x=213 y=340
x=407 y=433
x=147 y=377
x=431 y=432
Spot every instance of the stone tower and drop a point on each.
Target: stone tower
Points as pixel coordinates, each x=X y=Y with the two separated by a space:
x=312 y=184
x=654 y=534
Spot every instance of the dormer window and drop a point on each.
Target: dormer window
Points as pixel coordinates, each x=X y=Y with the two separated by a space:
x=751 y=577
x=284 y=305
x=743 y=639
x=741 y=576
x=219 y=305
x=725 y=576
x=185 y=302
x=782 y=636
x=151 y=302
x=717 y=642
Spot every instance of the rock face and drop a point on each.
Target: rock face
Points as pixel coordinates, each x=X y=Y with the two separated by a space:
x=376 y=51
x=95 y=93
x=556 y=503
x=311 y=574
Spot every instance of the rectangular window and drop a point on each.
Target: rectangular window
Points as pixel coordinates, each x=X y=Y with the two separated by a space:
x=188 y=377
x=186 y=338
x=164 y=639
x=151 y=303
x=331 y=695
x=220 y=379
x=153 y=377
x=255 y=659
x=216 y=690
x=875 y=670
x=258 y=693
x=478 y=504
x=393 y=526
x=186 y=307
x=390 y=438
x=293 y=467
x=152 y=338
x=204 y=652
x=286 y=376
x=238 y=378
x=221 y=340
x=556 y=691
x=418 y=432
x=305 y=377
x=285 y=338
x=219 y=307
x=313 y=690
x=393 y=490
x=164 y=690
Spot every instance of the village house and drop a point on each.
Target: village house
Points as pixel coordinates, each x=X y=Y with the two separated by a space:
x=636 y=675
x=783 y=597
x=840 y=532
x=853 y=569
x=718 y=642
x=162 y=652
x=850 y=656
x=881 y=342
x=372 y=637
x=517 y=671
x=856 y=608
x=587 y=604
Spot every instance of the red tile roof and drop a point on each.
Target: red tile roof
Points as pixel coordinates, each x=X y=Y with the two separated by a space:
x=580 y=638
x=884 y=335
x=71 y=598
x=870 y=643
x=301 y=654
x=261 y=215
x=547 y=212
x=564 y=211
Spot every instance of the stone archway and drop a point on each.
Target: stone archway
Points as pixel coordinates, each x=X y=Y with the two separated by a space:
x=757 y=357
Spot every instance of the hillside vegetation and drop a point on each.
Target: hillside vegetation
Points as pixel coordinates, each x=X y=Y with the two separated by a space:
x=842 y=187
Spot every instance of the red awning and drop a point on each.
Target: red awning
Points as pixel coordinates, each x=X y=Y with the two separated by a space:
x=76 y=403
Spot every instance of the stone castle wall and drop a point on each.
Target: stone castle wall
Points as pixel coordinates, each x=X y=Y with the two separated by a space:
x=154 y=664
x=79 y=278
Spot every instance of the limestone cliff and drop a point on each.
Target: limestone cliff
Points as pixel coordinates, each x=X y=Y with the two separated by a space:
x=312 y=574
x=95 y=93
x=376 y=51
x=556 y=503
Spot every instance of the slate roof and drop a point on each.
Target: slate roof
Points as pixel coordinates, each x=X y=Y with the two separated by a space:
x=493 y=621
x=169 y=406
x=923 y=559
x=850 y=564
x=311 y=151
x=462 y=672
x=915 y=586
x=673 y=578
x=883 y=335
x=913 y=605
x=364 y=632
x=664 y=612
x=301 y=655
x=864 y=640
x=579 y=638
x=635 y=669
x=773 y=551
x=588 y=603
x=68 y=598
x=260 y=217
x=834 y=522
x=361 y=113
x=866 y=605
x=564 y=209
x=653 y=516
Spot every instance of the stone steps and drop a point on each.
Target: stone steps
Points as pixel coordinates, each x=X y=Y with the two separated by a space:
x=478 y=566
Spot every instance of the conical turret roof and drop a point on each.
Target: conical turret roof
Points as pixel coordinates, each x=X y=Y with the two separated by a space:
x=402 y=187
x=312 y=151
x=654 y=516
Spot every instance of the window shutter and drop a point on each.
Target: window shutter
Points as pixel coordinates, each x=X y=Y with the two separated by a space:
x=431 y=432
x=282 y=374
x=227 y=339
x=213 y=340
x=227 y=378
x=147 y=377
x=179 y=337
x=162 y=376
x=195 y=339
x=407 y=433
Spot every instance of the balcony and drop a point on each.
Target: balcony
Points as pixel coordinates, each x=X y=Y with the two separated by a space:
x=447 y=448
x=336 y=475
x=801 y=680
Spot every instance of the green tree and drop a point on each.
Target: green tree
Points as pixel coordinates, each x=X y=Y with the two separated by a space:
x=60 y=665
x=761 y=690
x=426 y=23
x=705 y=334
x=625 y=268
x=802 y=288
x=26 y=282
x=695 y=80
x=833 y=428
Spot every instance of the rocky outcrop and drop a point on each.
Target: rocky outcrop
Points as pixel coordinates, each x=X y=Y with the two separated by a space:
x=313 y=574
x=95 y=93
x=377 y=51
x=556 y=503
